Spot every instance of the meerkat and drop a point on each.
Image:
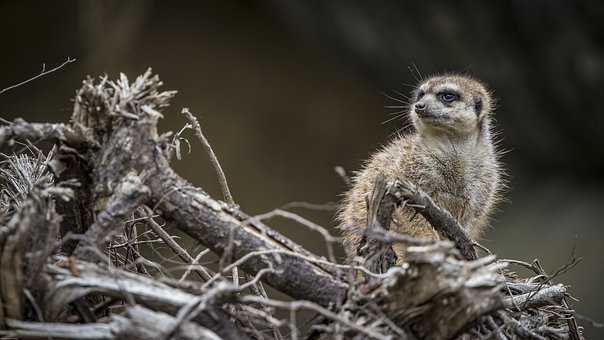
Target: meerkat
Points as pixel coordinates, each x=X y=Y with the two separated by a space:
x=450 y=155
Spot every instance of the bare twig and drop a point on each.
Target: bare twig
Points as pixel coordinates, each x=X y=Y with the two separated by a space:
x=329 y=239
x=260 y=253
x=297 y=305
x=42 y=74
x=178 y=250
x=329 y=206
x=340 y=171
x=219 y=172
x=213 y=159
x=193 y=264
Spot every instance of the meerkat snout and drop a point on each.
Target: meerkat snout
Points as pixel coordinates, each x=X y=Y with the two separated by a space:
x=420 y=107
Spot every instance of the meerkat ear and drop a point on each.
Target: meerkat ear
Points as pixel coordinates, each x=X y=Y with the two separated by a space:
x=478 y=106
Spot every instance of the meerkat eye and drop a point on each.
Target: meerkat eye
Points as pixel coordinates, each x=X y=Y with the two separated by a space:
x=448 y=97
x=420 y=94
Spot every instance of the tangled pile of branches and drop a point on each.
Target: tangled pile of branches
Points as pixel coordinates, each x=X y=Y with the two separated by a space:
x=82 y=224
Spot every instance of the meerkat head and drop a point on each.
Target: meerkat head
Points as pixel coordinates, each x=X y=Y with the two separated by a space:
x=452 y=105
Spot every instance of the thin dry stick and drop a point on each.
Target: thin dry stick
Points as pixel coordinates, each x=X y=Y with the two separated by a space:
x=248 y=256
x=301 y=304
x=329 y=240
x=178 y=250
x=340 y=171
x=195 y=263
x=42 y=74
x=213 y=159
x=140 y=268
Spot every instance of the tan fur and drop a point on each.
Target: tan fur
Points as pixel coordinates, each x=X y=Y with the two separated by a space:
x=453 y=160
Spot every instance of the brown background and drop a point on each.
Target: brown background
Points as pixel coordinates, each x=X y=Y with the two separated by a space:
x=288 y=90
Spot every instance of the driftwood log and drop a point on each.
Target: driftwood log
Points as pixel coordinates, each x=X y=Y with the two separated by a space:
x=85 y=204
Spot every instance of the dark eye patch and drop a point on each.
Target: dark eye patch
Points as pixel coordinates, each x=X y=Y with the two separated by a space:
x=420 y=94
x=478 y=106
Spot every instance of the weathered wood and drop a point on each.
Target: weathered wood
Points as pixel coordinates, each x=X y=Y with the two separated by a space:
x=210 y=222
x=434 y=294
x=128 y=195
x=127 y=134
x=379 y=256
x=433 y=280
x=138 y=323
x=541 y=296
x=58 y=133
x=67 y=285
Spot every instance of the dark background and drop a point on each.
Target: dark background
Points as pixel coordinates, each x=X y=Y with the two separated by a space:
x=286 y=90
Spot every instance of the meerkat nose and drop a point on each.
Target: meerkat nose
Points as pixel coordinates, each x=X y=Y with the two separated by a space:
x=420 y=107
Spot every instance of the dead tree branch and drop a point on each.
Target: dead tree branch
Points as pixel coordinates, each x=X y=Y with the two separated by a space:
x=137 y=323
x=439 y=218
x=129 y=194
x=210 y=222
x=110 y=162
x=54 y=133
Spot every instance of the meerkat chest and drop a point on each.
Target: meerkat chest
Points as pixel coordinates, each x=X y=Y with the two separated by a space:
x=453 y=184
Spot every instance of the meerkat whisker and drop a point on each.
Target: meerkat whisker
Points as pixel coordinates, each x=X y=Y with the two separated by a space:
x=393 y=98
x=402 y=95
x=393 y=118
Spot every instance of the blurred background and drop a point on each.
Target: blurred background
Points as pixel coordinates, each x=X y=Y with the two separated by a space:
x=286 y=90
